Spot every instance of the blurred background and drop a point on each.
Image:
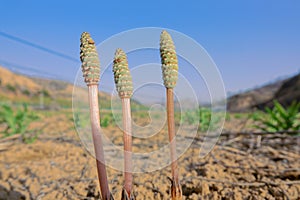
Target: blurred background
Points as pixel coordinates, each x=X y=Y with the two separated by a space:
x=255 y=46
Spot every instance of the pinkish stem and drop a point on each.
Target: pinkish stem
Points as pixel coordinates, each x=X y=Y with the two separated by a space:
x=96 y=133
x=127 y=137
x=176 y=188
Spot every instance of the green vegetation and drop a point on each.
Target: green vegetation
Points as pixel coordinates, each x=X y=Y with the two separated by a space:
x=17 y=122
x=81 y=120
x=191 y=117
x=45 y=93
x=26 y=92
x=63 y=103
x=104 y=122
x=107 y=119
x=10 y=87
x=239 y=115
x=279 y=118
x=202 y=117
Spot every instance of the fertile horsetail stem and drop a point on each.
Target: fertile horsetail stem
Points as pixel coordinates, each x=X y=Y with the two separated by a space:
x=170 y=75
x=91 y=73
x=124 y=88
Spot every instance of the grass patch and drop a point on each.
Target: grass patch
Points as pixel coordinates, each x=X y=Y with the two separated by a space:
x=279 y=118
x=10 y=87
x=17 y=121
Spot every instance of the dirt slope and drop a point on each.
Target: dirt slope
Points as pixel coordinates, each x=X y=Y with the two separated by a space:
x=285 y=91
x=20 y=88
x=16 y=86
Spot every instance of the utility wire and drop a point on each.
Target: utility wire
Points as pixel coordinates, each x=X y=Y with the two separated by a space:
x=40 y=73
x=45 y=49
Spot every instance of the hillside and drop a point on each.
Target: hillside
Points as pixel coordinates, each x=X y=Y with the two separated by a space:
x=14 y=86
x=54 y=93
x=285 y=91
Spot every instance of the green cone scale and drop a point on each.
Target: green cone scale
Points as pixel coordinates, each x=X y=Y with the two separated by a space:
x=90 y=60
x=122 y=75
x=168 y=60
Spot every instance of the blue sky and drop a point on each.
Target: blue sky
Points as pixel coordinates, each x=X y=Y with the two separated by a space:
x=251 y=42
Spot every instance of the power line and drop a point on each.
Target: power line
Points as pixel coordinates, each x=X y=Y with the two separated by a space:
x=28 y=43
x=43 y=73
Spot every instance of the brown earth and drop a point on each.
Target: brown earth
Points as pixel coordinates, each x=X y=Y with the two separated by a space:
x=57 y=166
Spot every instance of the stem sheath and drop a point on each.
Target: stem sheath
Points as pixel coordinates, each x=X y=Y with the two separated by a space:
x=97 y=139
x=176 y=191
x=171 y=130
x=127 y=137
